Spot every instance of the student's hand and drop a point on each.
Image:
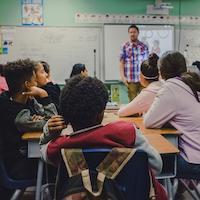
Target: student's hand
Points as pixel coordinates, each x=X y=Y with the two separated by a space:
x=36 y=92
x=37 y=117
x=56 y=124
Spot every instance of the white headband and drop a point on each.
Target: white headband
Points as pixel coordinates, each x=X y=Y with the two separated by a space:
x=150 y=78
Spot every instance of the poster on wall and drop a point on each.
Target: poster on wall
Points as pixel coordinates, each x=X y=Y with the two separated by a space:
x=6 y=40
x=32 y=12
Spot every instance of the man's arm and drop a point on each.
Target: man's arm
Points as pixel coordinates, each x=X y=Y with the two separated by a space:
x=122 y=57
x=121 y=69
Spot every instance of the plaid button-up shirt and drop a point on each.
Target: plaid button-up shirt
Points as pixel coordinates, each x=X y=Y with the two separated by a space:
x=133 y=55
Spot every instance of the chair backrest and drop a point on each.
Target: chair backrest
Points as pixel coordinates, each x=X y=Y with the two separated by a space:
x=10 y=183
x=134 y=178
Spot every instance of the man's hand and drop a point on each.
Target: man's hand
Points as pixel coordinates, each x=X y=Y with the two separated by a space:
x=56 y=124
x=124 y=80
x=36 y=92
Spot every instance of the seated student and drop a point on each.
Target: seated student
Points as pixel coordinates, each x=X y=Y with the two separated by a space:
x=42 y=71
x=178 y=102
x=197 y=63
x=83 y=101
x=78 y=69
x=20 y=113
x=149 y=79
x=3 y=84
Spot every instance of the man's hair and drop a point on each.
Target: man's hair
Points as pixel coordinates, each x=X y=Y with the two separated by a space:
x=133 y=26
x=17 y=72
x=82 y=100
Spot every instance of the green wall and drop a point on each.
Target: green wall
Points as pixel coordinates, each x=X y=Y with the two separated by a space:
x=62 y=12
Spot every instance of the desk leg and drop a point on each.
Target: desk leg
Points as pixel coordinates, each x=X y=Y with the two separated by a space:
x=39 y=179
x=169 y=189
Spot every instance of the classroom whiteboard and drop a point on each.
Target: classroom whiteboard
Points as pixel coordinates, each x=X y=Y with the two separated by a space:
x=189 y=43
x=116 y=35
x=61 y=47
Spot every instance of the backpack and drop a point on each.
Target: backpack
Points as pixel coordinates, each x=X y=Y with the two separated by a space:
x=84 y=184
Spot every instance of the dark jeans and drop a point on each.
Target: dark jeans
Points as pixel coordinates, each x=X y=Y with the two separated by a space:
x=22 y=168
x=187 y=170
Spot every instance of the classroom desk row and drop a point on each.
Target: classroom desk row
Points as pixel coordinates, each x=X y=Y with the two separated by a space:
x=155 y=137
x=169 y=133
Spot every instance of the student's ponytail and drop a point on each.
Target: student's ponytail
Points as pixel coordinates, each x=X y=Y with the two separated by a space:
x=193 y=81
x=149 y=68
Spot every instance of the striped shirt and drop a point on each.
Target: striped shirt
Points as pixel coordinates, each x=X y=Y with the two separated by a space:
x=133 y=55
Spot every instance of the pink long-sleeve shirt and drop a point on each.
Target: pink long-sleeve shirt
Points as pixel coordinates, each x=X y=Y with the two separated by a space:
x=3 y=84
x=176 y=104
x=142 y=102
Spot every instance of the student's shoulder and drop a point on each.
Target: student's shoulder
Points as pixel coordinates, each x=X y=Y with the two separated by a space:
x=51 y=86
x=8 y=106
x=120 y=126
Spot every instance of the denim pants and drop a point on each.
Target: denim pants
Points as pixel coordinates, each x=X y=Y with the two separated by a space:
x=187 y=170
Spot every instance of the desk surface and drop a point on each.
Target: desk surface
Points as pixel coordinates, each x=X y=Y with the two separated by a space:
x=110 y=117
x=162 y=145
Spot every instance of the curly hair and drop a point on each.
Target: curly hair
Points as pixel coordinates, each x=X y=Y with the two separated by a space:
x=83 y=99
x=17 y=72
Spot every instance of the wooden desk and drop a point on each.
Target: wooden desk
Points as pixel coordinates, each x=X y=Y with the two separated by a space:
x=169 y=133
x=138 y=121
x=162 y=145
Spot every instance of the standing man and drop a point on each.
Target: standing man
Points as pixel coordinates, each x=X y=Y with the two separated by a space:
x=132 y=54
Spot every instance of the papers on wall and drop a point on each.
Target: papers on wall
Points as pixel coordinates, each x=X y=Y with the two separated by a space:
x=32 y=12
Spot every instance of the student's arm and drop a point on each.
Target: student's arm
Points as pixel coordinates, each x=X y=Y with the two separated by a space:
x=45 y=107
x=137 y=105
x=162 y=110
x=154 y=157
x=25 y=122
x=52 y=129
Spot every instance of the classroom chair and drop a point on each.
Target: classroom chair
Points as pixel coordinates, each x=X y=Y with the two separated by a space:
x=184 y=182
x=18 y=185
x=134 y=178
